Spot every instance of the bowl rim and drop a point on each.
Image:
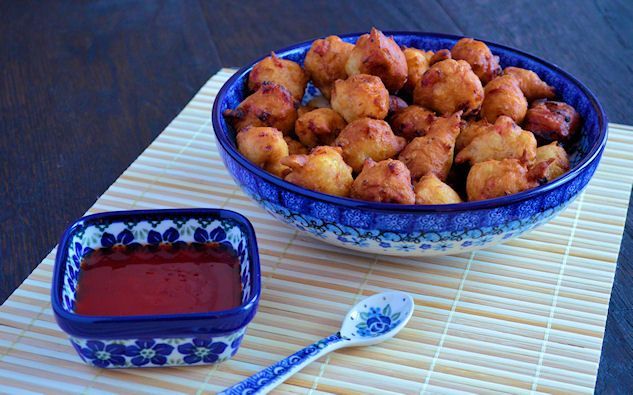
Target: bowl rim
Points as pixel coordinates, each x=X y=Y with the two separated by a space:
x=60 y=269
x=594 y=152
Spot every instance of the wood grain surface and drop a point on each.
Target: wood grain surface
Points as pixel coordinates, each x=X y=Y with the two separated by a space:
x=86 y=86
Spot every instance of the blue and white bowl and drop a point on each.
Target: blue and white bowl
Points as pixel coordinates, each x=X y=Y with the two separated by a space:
x=155 y=340
x=418 y=230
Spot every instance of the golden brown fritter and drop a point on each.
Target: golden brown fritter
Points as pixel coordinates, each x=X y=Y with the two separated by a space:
x=431 y=190
x=272 y=105
x=433 y=152
x=265 y=147
x=283 y=72
x=378 y=55
x=505 y=140
x=322 y=170
x=417 y=64
x=471 y=130
x=478 y=55
x=368 y=138
x=387 y=181
x=319 y=127
x=531 y=84
x=396 y=104
x=552 y=120
x=504 y=97
x=360 y=96
x=450 y=86
x=494 y=178
x=439 y=56
x=295 y=147
x=325 y=62
x=411 y=122
x=554 y=159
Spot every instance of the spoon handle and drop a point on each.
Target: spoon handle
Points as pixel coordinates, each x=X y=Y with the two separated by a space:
x=267 y=379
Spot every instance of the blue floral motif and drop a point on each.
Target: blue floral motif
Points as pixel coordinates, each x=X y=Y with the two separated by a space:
x=467 y=243
x=80 y=252
x=406 y=247
x=236 y=343
x=202 y=236
x=201 y=350
x=466 y=220
x=124 y=238
x=146 y=351
x=171 y=235
x=101 y=355
x=443 y=246
x=376 y=322
x=483 y=241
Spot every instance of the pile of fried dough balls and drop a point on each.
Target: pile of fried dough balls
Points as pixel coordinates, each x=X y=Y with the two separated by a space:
x=404 y=125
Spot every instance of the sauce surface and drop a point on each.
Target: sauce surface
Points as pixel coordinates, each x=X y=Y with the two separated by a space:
x=163 y=279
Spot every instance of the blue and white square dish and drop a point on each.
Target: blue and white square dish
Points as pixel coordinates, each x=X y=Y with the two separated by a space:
x=155 y=340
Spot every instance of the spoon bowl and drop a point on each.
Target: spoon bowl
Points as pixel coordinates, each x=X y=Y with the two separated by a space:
x=377 y=318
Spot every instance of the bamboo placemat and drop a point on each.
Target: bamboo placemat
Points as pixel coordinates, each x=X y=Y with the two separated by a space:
x=527 y=316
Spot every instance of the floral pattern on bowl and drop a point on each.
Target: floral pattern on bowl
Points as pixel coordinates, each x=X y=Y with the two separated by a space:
x=158 y=351
x=155 y=340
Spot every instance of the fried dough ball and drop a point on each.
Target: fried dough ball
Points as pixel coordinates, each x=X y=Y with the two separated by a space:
x=295 y=147
x=532 y=86
x=555 y=160
x=494 y=178
x=283 y=72
x=552 y=120
x=433 y=152
x=418 y=62
x=325 y=62
x=322 y=170
x=272 y=105
x=411 y=122
x=360 y=96
x=478 y=55
x=265 y=147
x=396 y=104
x=388 y=181
x=450 y=86
x=504 y=97
x=431 y=190
x=319 y=127
x=505 y=140
x=440 y=55
x=378 y=55
x=471 y=130
x=368 y=138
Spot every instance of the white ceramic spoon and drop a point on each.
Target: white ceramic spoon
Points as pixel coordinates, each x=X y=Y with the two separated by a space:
x=373 y=320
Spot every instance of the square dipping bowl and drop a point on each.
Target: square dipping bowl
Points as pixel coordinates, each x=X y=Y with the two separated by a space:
x=155 y=340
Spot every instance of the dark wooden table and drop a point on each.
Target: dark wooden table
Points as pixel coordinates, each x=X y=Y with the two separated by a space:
x=85 y=87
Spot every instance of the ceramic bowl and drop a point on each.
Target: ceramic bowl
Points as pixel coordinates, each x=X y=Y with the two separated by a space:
x=155 y=340
x=415 y=230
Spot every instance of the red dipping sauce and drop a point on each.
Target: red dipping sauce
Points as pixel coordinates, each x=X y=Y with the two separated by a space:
x=163 y=279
